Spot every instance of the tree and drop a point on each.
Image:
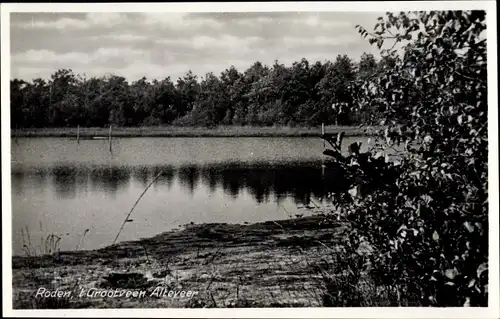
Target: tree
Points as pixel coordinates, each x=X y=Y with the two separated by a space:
x=230 y=80
x=335 y=90
x=99 y=112
x=167 y=98
x=367 y=68
x=188 y=88
x=248 y=110
x=210 y=106
x=299 y=94
x=17 y=101
x=63 y=98
x=426 y=215
x=115 y=97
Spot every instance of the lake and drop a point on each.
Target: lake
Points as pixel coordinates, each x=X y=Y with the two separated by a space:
x=82 y=192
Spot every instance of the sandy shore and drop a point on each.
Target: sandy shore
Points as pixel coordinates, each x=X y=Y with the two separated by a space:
x=269 y=264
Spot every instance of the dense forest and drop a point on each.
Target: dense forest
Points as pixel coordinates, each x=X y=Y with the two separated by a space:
x=301 y=94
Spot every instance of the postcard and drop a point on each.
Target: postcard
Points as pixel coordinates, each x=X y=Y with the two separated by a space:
x=273 y=159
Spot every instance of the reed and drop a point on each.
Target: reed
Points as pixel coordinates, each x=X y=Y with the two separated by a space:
x=133 y=207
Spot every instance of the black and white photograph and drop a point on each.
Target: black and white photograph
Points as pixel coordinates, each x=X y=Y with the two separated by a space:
x=283 y=158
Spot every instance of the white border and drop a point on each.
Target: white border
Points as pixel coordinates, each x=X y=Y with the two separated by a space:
x=493 y=311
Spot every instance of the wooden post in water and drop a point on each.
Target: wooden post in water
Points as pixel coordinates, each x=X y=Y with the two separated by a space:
x=324 y=145
x=323 y=133
x=78 y=134
x=110 y=147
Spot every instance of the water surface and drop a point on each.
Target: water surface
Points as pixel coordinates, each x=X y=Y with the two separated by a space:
x=70 y=189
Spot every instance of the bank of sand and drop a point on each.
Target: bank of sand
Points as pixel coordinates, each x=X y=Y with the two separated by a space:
x=267 y=264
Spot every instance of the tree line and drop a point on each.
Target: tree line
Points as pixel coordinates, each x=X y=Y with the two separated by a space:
x=303 y=94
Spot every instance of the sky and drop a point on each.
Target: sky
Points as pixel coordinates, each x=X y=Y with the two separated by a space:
x=157 y=45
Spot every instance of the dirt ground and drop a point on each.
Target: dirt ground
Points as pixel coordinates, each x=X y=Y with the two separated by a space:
x=269 y=264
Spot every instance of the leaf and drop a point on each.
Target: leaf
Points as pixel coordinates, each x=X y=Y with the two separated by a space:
x=467 y=302
x=435 y=236
x=479 y=226
x=482 y=268
x=469 y=227
x=353 y=191
x=451 y=273
x=380 y=42
x=378 y=155
x=471 y=283
x=403 y=227
x=426 y=198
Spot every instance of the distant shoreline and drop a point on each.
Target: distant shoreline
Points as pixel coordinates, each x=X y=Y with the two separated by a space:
x=175 y=131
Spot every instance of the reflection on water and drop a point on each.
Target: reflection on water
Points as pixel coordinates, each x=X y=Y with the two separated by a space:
x=298 y=180
x=69 y=188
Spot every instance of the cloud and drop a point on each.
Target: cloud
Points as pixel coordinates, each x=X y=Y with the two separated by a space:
x=109 y=19
x=170 y=44
x=66 y=60
x=47 y=56
x=91 y=20
x=123 y=37
x=319 y=40
x=225 y=43
x=62 y=24
x=177 y=21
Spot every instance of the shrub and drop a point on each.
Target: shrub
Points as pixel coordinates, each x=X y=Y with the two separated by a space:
x=426 y=215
